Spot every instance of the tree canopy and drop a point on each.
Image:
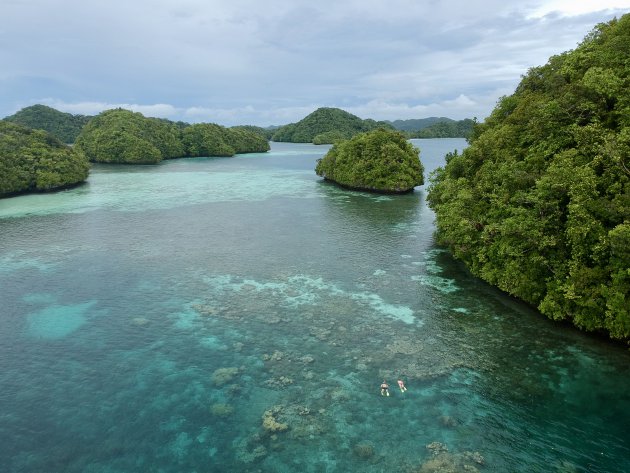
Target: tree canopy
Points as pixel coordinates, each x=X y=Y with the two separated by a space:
x=325 y=126
x=65 y=126
x=122 y=136
x=445 y=129
x=539 y=203
x=34 y=160
x=380 y=161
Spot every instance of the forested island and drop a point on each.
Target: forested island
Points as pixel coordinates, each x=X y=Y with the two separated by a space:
x=122 y=136
x=65 y=126
x=539 y=203
x=378 y=161
x=326 y=126
x=434 y=127
x=36 y=161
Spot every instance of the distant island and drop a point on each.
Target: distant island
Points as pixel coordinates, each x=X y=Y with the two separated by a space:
x=123 y=136
x=65 y=126
x=435 y=127
x=36 y=161
x=325 y=126
x=377 y=161
x=329 y=125
x=539 y=203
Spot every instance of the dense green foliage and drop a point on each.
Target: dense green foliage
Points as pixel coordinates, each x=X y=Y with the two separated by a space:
x=539 y=204
x=208 y=139
x=415 y=124
x=317 y=127
x=122 y=136
x=446 y=129
x=34 y=160
x=266 y=133
x=380 y=160
x=64 y=126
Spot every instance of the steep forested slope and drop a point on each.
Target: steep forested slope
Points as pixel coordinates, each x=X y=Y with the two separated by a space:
x=539 y=204
x=34 y=160
x=122 y=136
x=64 y=126
x=379 y=161
x=326 y=125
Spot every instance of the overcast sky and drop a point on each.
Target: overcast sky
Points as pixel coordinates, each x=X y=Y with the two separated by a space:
x=273 y=62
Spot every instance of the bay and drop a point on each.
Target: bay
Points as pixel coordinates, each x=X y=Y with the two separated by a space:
x=239 y=314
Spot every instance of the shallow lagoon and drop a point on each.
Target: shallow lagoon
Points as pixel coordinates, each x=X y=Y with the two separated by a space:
x=239 y=314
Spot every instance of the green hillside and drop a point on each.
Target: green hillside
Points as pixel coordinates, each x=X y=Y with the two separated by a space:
x=64 y=126
x=378 y=161
x=415 y=124
x=122 y=136
x=539 y=203
x=34 y=160
x=325 y=126
x=446 y=129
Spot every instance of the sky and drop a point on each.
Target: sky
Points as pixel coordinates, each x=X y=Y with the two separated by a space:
x=272 y=62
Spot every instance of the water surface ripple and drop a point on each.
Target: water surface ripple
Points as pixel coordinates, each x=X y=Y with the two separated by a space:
x=239 y=314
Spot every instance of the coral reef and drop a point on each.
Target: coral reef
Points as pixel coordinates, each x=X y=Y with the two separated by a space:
x=269 y=421
x=221 y=409
x=442 y=461
x=279 y=382
x=250 y=450
x=223 y=376
x=363 y=450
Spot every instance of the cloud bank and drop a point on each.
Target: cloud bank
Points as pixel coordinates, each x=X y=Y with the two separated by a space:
x=272 y=62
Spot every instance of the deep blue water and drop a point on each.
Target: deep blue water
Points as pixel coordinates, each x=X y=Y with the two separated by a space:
x=165 y=318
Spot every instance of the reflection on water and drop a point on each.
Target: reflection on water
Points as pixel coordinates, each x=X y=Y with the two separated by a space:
x=240 y=314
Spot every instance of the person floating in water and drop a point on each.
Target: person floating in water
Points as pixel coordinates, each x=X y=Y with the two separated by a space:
x=401 y=385
x=384 y=388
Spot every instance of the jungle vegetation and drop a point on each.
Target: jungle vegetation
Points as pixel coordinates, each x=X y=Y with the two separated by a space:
x=539 y=203
x=64 y=126
x=445 y=129
x=34 y=160
x=122 y=136
x=379 y=161
x=415 y=124
x=325 y=126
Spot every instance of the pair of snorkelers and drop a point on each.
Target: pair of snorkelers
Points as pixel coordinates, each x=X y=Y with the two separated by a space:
x=385 y=387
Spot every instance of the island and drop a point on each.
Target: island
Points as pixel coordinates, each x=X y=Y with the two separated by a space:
x=64 y=126
x=434 y=127
x=539 y=203
x=380 y=161
x=36 y=161
x=123 y=136
x=326 y=126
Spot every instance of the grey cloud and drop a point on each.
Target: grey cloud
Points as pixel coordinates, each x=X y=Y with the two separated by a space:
x=261 y=62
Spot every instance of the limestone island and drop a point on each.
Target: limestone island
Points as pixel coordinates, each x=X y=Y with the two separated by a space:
x=381 y=161
x=36 y=161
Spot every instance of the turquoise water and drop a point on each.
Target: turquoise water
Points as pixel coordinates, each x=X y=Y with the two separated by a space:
x=239 y=314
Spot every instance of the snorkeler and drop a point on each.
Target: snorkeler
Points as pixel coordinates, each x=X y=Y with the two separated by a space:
x=401 y=385
x=384 y=388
